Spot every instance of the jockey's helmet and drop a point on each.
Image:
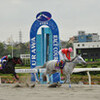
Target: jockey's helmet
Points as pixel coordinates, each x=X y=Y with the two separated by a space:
x=9 y=56
x=70 y=49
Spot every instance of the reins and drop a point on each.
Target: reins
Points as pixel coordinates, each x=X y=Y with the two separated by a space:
x=16 y=62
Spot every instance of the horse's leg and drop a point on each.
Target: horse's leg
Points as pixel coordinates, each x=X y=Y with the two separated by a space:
x=17 y=82
x=15 y=75
x=65 y=79
x=36 y=77
x=68 y=80
x=48 y=76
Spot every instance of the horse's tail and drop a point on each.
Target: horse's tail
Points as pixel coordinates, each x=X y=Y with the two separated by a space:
x=44 y=66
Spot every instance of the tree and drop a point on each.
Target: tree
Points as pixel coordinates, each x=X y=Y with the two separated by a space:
x=18 y=48
x=1 y=49
x=65 y=44
x=69 y=45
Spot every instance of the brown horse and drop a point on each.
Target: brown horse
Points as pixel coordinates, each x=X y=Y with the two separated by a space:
x=9 y=67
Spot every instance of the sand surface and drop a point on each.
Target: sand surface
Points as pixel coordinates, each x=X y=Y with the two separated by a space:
x=42 y=92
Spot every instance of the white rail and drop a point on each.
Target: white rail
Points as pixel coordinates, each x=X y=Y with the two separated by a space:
x=76 y=70
x=87 y=70
x=26 y=70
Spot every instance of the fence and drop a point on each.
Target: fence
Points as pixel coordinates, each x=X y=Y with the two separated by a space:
x=76 y=70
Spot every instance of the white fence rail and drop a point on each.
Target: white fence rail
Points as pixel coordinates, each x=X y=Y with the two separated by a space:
x=85 y=69
x=26 y=70
x=76 y=70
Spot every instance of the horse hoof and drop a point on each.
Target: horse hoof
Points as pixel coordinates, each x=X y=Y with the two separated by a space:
x=33 y=85
x=69 y=85
x=37 y=81
x=17 y=86
x=54 y=85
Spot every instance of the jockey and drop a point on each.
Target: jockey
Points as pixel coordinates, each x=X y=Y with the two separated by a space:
x=4 y=59
x=65 y=54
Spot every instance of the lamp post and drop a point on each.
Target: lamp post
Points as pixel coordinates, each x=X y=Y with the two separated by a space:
x=10 y=41
x=12 y=49
x=12 y=45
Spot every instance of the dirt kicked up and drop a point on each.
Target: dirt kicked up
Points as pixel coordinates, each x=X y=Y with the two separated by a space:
x=42 y=92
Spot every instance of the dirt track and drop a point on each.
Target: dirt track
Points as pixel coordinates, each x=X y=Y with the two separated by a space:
x=42 y=92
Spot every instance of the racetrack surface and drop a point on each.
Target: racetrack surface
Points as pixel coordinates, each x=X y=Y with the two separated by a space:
x=42 y=92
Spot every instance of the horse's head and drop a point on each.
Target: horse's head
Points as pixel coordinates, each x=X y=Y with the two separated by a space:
x=80 y=60
x=17 y=60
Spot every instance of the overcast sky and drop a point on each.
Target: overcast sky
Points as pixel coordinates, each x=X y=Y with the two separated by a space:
x=70 y=16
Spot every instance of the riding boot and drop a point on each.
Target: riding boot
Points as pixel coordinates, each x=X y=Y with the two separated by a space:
x=61 y=66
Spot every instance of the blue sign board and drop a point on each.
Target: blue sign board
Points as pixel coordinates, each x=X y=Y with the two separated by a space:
x=33 y=33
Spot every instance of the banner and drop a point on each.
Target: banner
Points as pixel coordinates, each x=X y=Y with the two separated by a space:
x=43 y=18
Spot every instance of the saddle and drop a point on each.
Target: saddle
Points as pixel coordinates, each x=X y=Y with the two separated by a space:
x=59 y=64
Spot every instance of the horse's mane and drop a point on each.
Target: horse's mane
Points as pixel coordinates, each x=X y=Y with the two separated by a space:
x=71 y=60
x=10 y=60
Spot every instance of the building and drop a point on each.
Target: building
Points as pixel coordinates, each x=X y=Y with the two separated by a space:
x=88 y=45
x=85 y=37
x=90 y=51
x=89 y=37
x=75 y=39
x=95 y=37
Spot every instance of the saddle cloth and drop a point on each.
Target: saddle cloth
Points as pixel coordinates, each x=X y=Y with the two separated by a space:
x=0 y=66
x=59 y=65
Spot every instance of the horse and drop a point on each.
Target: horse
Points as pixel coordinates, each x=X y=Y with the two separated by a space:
x=9 y=67
x=67 y=69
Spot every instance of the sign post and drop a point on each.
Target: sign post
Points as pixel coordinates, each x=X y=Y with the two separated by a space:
x=43 y=18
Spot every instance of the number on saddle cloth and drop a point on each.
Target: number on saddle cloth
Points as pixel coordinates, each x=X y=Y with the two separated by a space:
x=0 y=66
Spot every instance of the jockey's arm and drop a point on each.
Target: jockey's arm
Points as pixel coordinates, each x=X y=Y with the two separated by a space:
x=68 y=56
x=4 y=58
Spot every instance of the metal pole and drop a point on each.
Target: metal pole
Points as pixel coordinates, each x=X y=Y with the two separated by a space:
x=12 y=44
x=12 y=48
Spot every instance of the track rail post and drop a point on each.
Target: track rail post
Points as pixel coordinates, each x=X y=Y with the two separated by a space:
x=89 y=77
